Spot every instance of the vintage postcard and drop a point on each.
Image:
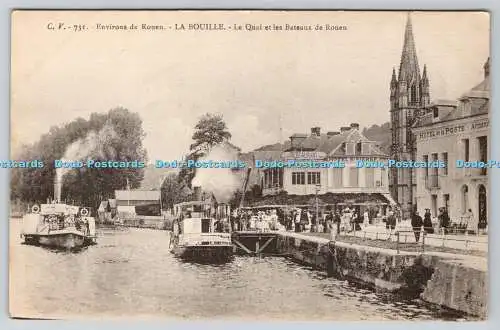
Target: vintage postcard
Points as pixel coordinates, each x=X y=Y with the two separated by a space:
x=261 y=165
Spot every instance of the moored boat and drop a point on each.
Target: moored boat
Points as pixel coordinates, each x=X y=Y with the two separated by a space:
x=197 y=236
x=59 y=225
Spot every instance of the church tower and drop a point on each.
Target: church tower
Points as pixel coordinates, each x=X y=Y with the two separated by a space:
x=409 y=94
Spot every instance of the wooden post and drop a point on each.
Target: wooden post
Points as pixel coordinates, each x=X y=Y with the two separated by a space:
x=397 y=242
x=423 y=241
x=257 y=245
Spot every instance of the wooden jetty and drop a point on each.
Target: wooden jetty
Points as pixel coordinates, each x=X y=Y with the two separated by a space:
x=254 y=242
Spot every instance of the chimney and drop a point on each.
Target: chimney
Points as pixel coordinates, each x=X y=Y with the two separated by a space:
x=344 y=129
x=332 y=133
x=355 y=125
x=315 y=131
x=197 y=193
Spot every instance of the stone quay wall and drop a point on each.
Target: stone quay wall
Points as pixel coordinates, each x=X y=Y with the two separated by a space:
x=442 y=279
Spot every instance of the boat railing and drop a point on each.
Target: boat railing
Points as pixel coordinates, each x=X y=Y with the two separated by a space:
x=200 y=238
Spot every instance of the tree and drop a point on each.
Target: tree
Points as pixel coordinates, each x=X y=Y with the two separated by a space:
x=116 y=135
x=173 y=191
x=210 y=131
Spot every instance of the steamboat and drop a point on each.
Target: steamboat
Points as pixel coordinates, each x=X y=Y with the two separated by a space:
x=201 y=231
x=59 y=225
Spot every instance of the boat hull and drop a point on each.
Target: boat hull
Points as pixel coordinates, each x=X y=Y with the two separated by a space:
x=204 y=253
x=59 y=240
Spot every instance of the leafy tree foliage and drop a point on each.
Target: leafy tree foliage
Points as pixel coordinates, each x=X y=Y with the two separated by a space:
x=83 y=186
x=210 y=131
x=173 y=191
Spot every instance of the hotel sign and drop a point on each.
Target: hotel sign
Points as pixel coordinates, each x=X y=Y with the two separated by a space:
x=453 y=129
x=304 y=155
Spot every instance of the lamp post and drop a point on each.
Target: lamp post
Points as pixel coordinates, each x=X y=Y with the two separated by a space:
x=318 y=187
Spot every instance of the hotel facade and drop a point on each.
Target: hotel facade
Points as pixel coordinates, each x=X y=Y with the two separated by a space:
x=451 y=132
x=343 y=148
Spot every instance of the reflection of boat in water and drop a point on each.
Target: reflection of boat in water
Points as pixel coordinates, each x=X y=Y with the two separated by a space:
x=198 y=235
x=59 y=225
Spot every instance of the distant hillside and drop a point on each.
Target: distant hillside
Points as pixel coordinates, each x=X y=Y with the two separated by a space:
x=152 y=177
x=381 y=134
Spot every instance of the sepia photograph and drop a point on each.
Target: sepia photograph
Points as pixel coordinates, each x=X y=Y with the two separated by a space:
x=250 y=165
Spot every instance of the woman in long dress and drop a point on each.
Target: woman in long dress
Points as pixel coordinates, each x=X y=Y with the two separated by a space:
x=366 y=219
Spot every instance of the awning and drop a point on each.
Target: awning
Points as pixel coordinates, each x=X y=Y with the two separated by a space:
x=283 y=200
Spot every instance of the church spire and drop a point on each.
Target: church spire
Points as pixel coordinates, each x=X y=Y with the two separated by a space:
x=408 y=68
x=394 y=81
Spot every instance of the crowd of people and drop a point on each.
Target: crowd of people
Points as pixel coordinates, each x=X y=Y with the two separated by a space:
x=332 y=221
x=301 y=220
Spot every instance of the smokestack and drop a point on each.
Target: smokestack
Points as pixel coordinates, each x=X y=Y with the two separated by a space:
x=332 y=133
x=355 y=125
x=315 y=131
x=197 y=193
x=344 y=129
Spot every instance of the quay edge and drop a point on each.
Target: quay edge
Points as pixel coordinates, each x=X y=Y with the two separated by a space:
x=438 y=278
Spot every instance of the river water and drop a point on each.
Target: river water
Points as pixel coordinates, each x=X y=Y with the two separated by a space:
x=131 y=273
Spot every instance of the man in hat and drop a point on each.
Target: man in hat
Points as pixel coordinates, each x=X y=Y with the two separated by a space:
x=416 y=224
x=428 y=228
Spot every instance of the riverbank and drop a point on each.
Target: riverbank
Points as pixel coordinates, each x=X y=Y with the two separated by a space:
x=455 y=281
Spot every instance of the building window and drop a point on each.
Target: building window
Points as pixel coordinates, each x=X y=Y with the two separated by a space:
x=337 y=177
x=434 y=170
x=298 y=178
x=465 y=143
x=342 y=147
x=413 y=94
x=426 y=168
x=313 y=178
x=465 y=199
x=434 y=207
x=483 y=151
x=369 y=177
x=445 y=161
x=353 y=177
x=358 y=148
x=446 y=201
x=435 y=112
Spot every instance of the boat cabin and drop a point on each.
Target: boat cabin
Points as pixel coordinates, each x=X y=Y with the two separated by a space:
x=204 y=217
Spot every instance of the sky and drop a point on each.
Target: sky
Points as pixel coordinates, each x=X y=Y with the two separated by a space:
x=266 y=84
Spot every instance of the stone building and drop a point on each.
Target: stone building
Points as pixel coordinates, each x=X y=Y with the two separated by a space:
x=451 y=132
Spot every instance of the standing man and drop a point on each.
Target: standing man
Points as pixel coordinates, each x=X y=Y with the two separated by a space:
x=337 y=220
x=390 y=224
x=328 y=222
x=416 y=223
